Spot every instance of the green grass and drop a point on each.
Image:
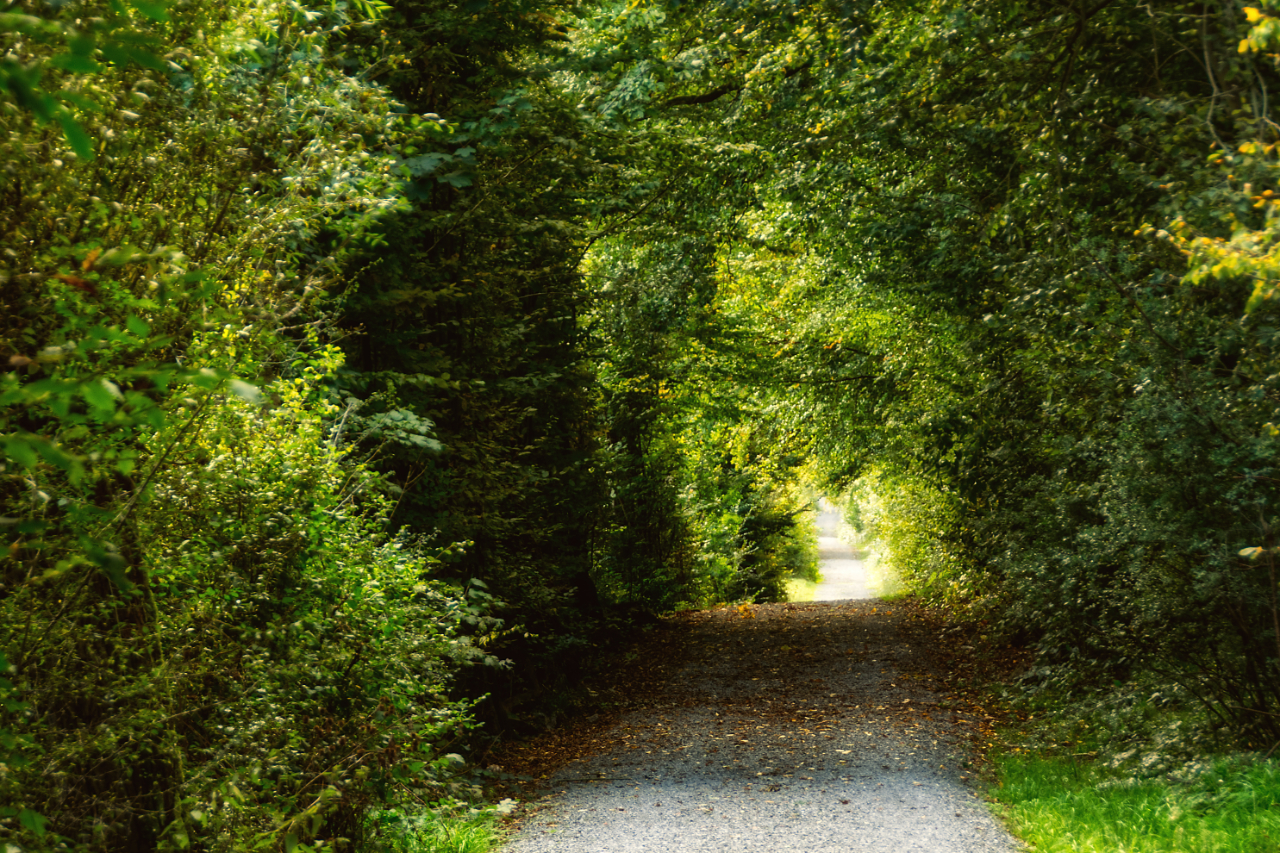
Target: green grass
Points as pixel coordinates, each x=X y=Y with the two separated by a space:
x=801 y=589
x=453 y=830
x=1223 y=806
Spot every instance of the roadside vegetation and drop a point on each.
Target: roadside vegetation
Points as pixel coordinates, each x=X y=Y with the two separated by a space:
x=443 y=827
x=1218 y=805
x=1128 y=768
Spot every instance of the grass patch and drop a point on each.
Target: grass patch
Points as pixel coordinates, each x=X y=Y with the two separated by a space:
x=447 y=830
x=802 y=589
x=1228 y=805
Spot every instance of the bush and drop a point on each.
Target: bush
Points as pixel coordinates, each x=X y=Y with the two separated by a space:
x=272 y=666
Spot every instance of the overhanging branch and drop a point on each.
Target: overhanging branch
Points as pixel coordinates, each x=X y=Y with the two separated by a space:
x=704 y=98
x=727 y=89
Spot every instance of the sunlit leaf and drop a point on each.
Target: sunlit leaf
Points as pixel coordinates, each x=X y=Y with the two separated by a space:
x=138 y=326
x=245 y=391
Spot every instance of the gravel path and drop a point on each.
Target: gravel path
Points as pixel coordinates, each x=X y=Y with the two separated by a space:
x=844 y=576
x=812 y=727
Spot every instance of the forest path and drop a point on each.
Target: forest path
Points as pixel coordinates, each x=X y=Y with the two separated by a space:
x=844 y=575
x=802 y=727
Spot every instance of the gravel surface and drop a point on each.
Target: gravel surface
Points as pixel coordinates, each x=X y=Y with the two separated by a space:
x=787 y=727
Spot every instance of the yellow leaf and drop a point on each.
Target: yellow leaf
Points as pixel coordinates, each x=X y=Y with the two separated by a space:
x=1252 y=14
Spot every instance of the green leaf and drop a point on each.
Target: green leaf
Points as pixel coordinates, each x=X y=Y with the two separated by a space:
x=82 y=45
x=33 y=821
x=426 y=164
x=156 y=11
x=55 y=455
x=101 y=394
x=415 y=191
x=76 y=136
x=138 y=326
x=456 y=179
x=205 y=377
x=81 y=102
x=76 y=63
x=17 y=22
x=21 y=451
x=112 y=564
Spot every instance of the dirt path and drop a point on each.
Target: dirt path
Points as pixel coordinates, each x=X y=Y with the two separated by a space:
x=844 y=575
x=814 y=727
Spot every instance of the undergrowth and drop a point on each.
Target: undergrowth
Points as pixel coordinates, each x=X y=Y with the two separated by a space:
x=444 y=828
x=1135 y=768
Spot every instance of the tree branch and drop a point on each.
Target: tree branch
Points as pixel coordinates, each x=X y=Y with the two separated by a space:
x=720 y=91
x=704 y=98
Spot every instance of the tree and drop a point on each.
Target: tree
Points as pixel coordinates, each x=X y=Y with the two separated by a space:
x=959 y=304
x=209 y=636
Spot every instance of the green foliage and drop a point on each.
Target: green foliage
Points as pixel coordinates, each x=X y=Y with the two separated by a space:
x=215 y=641
x=1068 y=423
x=447 y=827
x=708 y=513
x=702 y=488
x=265 y=657
x=291 y=298
x=903 y=517
x=466 y=317
x=1011 y=265
x=348 y=645
x=266 y=665
x=42 y=46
